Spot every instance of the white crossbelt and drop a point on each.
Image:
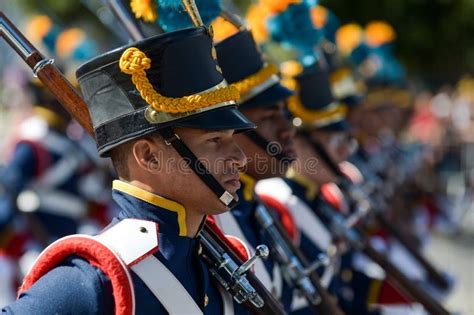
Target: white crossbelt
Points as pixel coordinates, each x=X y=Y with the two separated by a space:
x=129 y=239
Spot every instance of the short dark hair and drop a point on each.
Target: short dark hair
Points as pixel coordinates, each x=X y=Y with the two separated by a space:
x=119 y=156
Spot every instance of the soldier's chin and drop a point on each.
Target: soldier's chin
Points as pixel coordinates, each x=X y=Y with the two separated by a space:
x=221 y=207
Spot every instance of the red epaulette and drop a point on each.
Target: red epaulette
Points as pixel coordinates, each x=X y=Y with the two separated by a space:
x=112 y=251
x=384 y=293
x=351 y=172
x=284 y=214
x=42 y=156
x=236 y=244
x=333 y=196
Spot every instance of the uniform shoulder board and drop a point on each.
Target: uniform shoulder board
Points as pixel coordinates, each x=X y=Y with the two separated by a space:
x=333 y=196
x=113 y=251
x=236 y=244
x=383 y=292
x=352 y=172
x=284 y=214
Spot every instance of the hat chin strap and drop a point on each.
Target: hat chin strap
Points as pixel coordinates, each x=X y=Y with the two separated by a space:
x=260 y=141
x=171 y=138
x=323 y=154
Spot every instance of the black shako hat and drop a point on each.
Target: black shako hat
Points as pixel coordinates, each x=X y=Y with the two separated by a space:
x=243 y=66
x=169 y=80
x=314 y=105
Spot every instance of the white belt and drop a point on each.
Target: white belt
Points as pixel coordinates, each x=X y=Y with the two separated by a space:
x=52 y=201
x=133 y=239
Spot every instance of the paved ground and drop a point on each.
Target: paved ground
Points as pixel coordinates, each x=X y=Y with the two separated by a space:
x=456 y=255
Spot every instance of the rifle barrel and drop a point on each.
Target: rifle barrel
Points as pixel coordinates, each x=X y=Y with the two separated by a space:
x=49 y=74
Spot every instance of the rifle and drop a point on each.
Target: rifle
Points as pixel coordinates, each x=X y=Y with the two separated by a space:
x=346 y=229
x=270 y=304
x=45 y=70
x=249 y=287
x=359 y=198
x=359 y=240
x=296 y=269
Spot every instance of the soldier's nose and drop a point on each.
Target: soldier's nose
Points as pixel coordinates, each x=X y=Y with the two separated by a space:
x=238 y=156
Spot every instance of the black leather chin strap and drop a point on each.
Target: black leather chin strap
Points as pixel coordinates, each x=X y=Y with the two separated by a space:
x=322 y=153
x=260 y=141
x=171 y=138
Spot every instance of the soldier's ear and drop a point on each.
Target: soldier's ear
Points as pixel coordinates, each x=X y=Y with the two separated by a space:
x=146 y=153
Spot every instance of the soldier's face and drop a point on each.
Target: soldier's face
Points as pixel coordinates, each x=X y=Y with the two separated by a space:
x=371 y=123
x=309 y=164
x=221 y=156
x=339 y=145
x=272 y=124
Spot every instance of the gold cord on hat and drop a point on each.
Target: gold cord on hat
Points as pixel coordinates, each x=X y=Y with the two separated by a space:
x=134 y=62
x=254 y=80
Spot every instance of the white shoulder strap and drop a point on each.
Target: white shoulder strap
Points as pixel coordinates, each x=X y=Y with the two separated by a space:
x=306 y=220
x=227 y=301
x=135 y=241
x=164 y=285
x=308 y=223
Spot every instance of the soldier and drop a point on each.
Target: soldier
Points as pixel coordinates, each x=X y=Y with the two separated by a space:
x=269 y=148
x=162 y=111
x=49 y=187
x=305 y=190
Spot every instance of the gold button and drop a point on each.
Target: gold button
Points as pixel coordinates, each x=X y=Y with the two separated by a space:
x=206 y=300
x=346 y=275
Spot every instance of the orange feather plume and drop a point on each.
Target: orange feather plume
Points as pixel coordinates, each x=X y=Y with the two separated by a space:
x=319 y=16
x=348 y=37
x=223 y=29
x=378 y=33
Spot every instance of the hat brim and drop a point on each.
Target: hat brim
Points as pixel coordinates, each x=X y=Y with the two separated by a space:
x=341 y=125
x=353 y=100
x=224 y=118
x=269 y=97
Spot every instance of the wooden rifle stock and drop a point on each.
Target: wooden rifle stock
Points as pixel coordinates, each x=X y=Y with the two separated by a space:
x=430 y=269
x=433 y=273
x=359 y=240
x=49 y=74
x=402 y=282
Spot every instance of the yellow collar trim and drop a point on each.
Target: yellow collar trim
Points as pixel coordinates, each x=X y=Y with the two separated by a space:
x=309 y=185
x=374 y=292
x=249 y=185
x=154 y=200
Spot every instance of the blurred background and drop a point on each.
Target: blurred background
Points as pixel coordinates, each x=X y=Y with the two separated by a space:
x=434 y=42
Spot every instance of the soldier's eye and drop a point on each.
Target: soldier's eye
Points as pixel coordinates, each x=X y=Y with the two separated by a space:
x=215 y=140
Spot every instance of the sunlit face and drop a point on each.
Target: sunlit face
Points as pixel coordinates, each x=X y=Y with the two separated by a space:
x=221 y=157
x=274 y=125
x=309 y=164
x=338 y=145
